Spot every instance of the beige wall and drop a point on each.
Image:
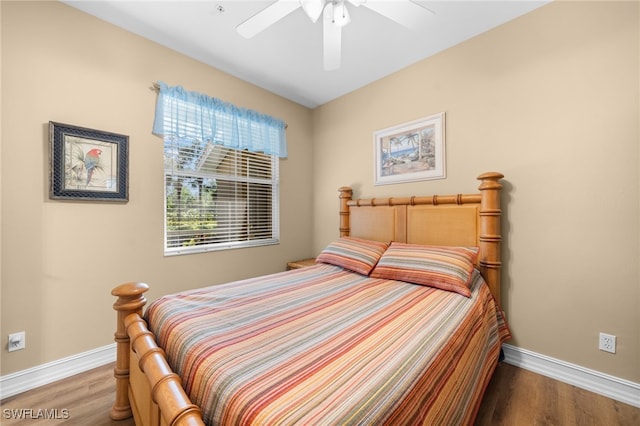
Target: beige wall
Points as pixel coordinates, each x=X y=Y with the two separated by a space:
x=552 y=101
x=61 y=259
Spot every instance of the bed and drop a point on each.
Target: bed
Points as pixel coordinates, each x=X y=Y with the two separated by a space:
x=398 y=322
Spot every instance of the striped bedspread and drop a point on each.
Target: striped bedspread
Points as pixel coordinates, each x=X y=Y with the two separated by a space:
x=324 y=346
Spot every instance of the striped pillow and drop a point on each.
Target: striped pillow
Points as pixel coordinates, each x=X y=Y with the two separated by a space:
x=356 y=254
x=443 y=267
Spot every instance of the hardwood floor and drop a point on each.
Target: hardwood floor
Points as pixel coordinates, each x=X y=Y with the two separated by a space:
x=519 y=397
x=87 y=397
x=514 y=397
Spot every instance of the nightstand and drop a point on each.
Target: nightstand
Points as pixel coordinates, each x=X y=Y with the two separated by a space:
x=297 y=264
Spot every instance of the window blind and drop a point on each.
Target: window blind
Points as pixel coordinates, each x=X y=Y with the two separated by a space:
x=216 y=196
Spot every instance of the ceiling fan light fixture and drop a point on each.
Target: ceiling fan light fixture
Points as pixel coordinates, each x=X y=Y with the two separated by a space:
x=313 y=8
x=337 y=10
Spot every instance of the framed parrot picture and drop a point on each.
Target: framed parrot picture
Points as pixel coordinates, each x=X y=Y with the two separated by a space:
x=87 y=164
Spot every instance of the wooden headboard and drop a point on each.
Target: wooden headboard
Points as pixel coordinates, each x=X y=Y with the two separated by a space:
x=453 y=220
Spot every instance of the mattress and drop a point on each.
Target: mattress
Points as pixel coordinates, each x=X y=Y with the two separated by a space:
x=325 y=346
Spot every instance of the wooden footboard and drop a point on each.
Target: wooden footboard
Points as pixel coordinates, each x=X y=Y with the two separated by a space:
x=145 y=385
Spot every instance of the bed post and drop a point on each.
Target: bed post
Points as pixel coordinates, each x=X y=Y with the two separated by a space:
x=130 y=300
x=345 y=196
x=490 y=238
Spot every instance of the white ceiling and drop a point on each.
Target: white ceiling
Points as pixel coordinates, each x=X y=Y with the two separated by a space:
x=287 y=58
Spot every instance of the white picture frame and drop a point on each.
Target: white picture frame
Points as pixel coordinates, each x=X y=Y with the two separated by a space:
x=411 y=151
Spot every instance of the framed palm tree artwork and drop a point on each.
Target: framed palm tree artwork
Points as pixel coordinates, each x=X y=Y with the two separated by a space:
x=87 y=164
x=410 y=151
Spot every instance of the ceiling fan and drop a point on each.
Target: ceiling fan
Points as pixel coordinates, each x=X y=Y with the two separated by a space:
x=335 y=16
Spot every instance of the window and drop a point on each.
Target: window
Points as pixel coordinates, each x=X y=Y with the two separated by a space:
x=217 y=196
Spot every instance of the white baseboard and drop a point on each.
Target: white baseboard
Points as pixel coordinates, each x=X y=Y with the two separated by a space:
x=610 y=386
x=22 y=381
x=584 y=378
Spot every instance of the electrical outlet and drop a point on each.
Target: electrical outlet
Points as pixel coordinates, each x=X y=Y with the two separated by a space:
x=607 y=343
x=17 y=341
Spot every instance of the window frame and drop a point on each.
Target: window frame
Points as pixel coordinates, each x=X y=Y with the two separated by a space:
x=273 y=182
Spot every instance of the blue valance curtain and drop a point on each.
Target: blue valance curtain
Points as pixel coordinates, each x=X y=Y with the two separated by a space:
x=194 y=116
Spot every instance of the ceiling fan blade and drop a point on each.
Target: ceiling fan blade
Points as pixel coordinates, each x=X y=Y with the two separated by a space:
x=266 y=17
x=405 y=13
x=332 y=37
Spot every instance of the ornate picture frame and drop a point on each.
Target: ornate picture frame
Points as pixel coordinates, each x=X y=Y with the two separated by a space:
x=410 y=151
x=88 y=164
